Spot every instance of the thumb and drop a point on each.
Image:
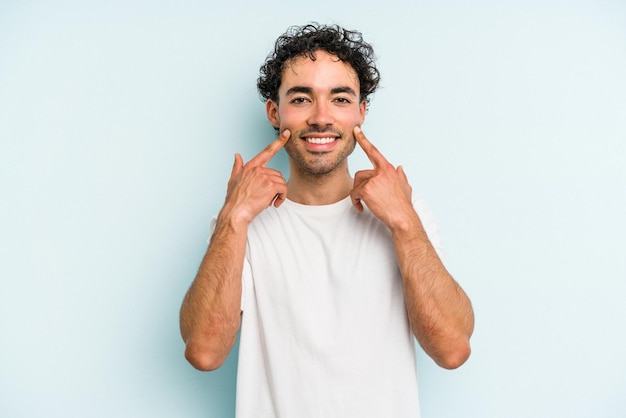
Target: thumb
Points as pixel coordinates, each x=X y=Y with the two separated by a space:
x=400 y=170
x=237 y=166
x=356 y=200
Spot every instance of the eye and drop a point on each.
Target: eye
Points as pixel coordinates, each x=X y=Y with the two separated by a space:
x=299 y=100
x=343 y=100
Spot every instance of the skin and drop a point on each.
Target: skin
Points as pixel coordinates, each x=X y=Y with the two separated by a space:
x=440 y=313
x=319 y=99
x=210 y=315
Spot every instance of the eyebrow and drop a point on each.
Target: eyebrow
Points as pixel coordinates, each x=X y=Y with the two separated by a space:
x=299 y=89
x=346 y=89
x=309 y=90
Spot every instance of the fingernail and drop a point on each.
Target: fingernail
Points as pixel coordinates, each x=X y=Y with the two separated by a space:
x=285 y=133
x=357 y=129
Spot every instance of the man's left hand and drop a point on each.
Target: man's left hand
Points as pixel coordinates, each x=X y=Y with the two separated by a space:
x=385 y=189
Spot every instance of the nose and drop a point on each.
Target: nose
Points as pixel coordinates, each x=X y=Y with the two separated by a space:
x=321 y=114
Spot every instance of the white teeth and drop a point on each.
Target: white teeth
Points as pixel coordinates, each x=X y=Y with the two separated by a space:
x=320 y=140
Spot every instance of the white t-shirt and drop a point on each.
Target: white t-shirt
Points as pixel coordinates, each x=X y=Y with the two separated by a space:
x=324 y=327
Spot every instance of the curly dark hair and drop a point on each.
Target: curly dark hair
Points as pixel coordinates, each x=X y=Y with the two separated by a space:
x=299 y=41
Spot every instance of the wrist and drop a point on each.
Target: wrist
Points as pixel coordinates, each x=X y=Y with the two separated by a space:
x=408 y=225
x=234 y=219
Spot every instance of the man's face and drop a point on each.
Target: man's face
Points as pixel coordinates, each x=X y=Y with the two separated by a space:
x=318 y=101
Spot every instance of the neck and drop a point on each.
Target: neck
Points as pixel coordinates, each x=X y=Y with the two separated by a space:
x=319 y=189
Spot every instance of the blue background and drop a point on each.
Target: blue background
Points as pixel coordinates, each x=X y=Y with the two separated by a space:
x=118 y=123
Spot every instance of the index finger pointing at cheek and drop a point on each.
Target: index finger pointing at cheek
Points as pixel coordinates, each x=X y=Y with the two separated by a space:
x=264 y=157
x=370 y=150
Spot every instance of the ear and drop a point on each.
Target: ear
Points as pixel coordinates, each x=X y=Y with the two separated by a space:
x=271 y=108
x=363 y=110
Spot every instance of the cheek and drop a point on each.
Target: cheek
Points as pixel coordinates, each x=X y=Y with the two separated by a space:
x=350 y=115
x=288 y=117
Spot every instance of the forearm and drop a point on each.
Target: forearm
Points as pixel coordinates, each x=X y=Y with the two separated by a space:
x=439 y=311
x=211 y=311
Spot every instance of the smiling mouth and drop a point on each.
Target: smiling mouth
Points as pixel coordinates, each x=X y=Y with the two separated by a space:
x=320 y=141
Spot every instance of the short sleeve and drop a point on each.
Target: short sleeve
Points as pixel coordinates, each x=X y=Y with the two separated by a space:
x=430 y=226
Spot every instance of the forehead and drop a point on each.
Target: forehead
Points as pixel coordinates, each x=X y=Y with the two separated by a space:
x=325 y=72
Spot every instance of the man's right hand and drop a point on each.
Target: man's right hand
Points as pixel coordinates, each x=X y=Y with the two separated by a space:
x=211 y=312
x=253 y=186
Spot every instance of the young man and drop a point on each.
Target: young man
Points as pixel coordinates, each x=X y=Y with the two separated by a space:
x=330 y=277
